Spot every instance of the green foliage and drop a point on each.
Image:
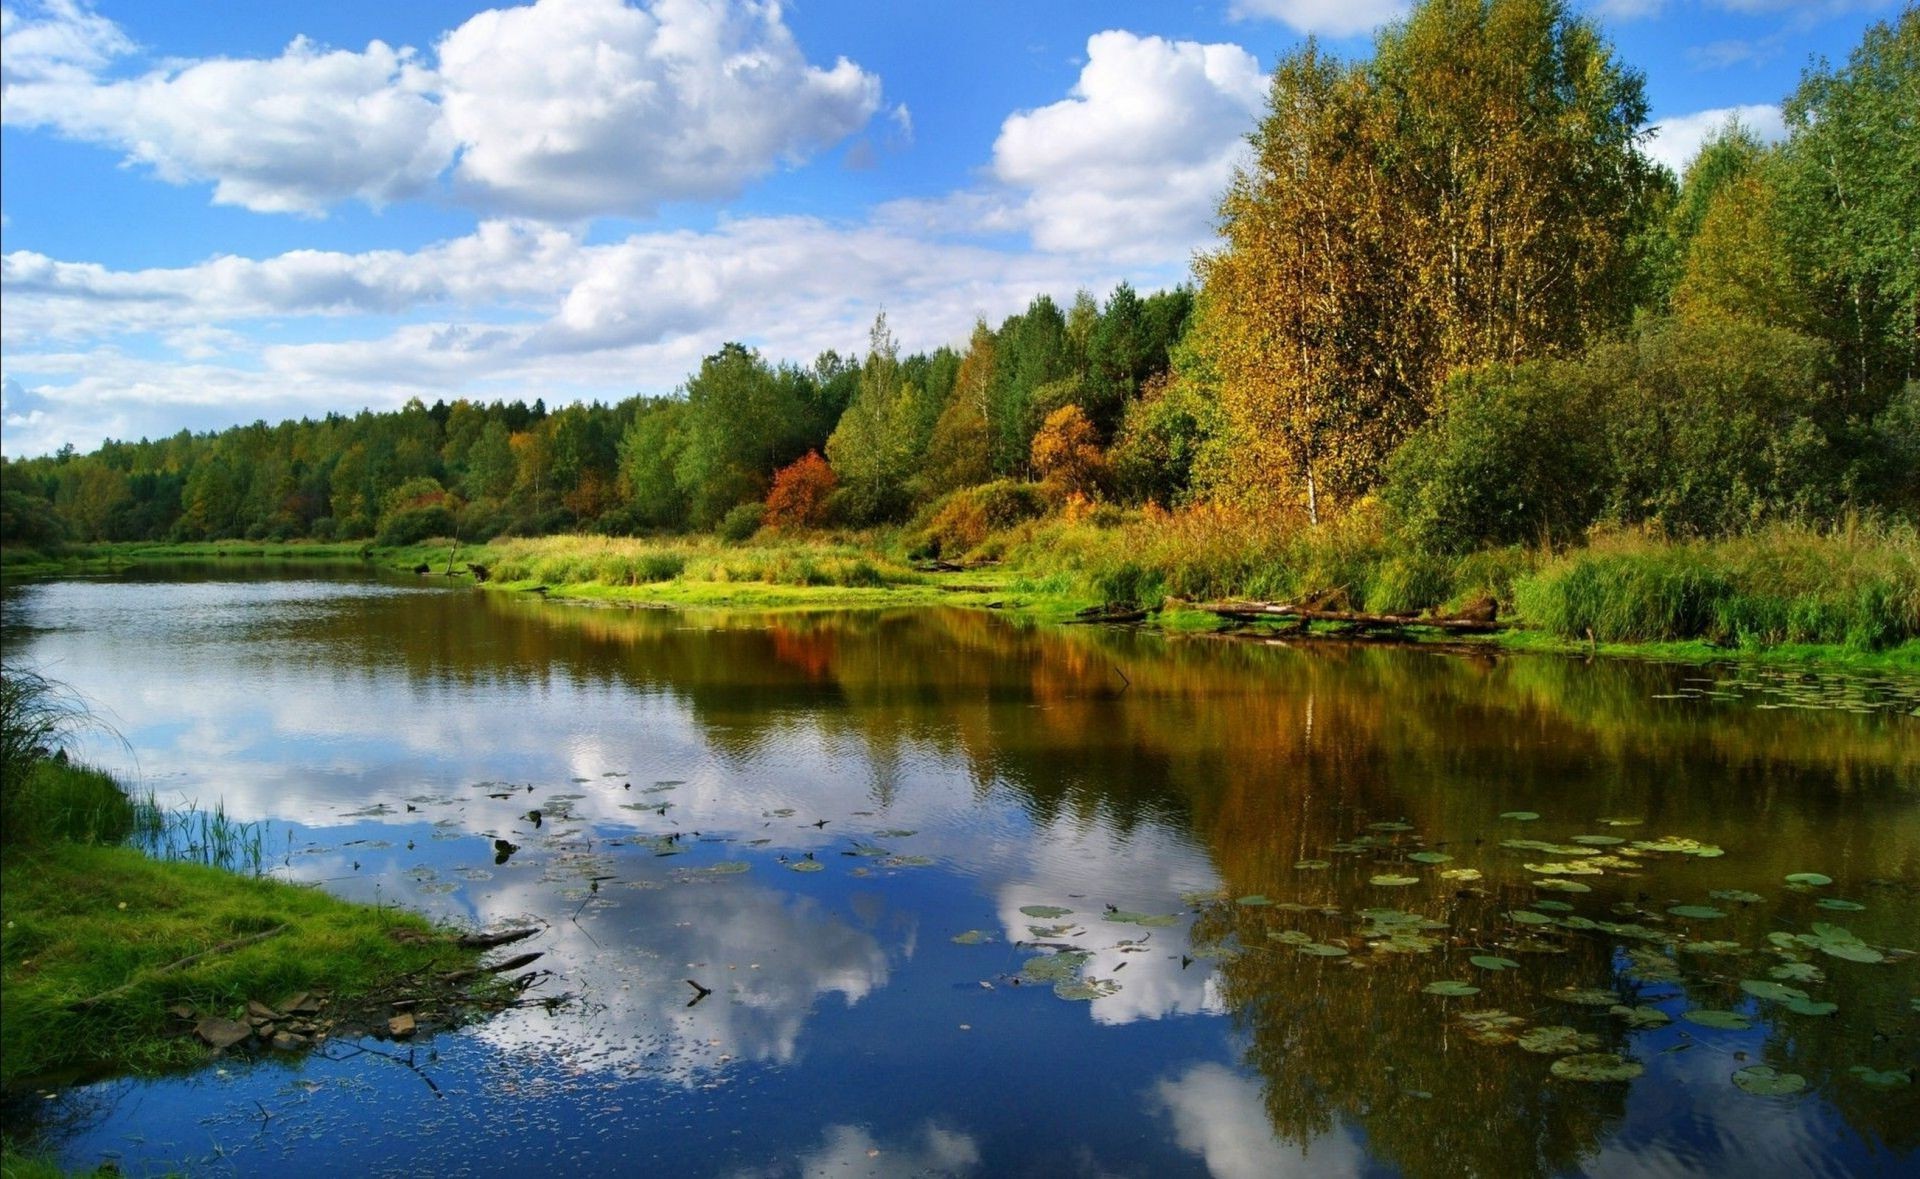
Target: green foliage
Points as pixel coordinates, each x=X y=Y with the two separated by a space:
x=1783 y=586
x=877 y=447
x=1512 y=456
x=29 y=521
x=413 y=525
x=1701 y=427
x=1849 y=197
x=741 y=521
x=744 y=419
x=1714 y=427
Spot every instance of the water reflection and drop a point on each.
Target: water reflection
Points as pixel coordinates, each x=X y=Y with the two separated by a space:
x=803 y=813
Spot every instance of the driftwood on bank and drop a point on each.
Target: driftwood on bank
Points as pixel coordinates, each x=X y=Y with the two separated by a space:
x=487 y=941
x=1283 y=611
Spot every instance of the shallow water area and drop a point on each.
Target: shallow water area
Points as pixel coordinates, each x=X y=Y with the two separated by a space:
x=935 y=892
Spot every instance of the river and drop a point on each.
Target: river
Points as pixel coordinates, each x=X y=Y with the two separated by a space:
x=979 y=898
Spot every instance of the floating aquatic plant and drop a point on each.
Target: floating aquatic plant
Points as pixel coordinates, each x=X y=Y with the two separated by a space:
x=1597 y=1067
x=1558 y=1040
x=1707 y=1017
x=1763 y=1080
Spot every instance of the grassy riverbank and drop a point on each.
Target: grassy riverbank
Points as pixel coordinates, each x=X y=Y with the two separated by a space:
x=1840 y=598
x=114 y=961
x=1789 y=595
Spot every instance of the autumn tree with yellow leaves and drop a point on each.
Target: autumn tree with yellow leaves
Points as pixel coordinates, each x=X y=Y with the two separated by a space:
x=1469 y=195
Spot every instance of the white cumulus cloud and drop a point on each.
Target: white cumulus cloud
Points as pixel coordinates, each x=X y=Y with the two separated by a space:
x=1134 y=159
x=291 y=134
x=560 y=109
x=1677 y=138
x=1335 y=18
x=577 y=107
x=55 y=39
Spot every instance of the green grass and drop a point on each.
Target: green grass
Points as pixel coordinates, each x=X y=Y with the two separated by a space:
x=1771 y=591
x=78 y=920
x=85 y=917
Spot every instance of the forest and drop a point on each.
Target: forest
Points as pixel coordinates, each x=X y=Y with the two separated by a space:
x=1455 y=308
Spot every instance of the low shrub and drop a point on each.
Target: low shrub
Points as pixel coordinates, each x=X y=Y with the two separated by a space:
x=741 y=522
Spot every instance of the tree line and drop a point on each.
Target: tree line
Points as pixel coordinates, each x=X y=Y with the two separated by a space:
x=1452 y=287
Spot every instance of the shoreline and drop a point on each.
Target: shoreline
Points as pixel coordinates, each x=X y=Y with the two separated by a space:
x=1051 y=600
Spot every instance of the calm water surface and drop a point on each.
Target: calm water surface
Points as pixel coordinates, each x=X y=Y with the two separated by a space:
x=979 y=899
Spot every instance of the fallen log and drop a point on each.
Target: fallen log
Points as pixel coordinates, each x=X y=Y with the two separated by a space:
x=514 y=963
x=1259 y=611
x=487 y=941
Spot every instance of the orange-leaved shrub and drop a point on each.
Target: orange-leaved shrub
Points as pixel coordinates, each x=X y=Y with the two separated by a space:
x=798 y=498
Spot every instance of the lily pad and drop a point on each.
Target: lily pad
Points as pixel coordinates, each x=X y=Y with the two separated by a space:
x=1491 y=962
x=1680 y=844
x=1491 y=1027
x=1322 y=950
x=1763 y=1080
x=1697 y=912
x=1837 y=905
x=1641 y=1016
x=1528 y=917
x=1558 y=1040
x=1737 y=896
x=1713 y=947
x=1520 y=816
x=1129 y=918
x=1054 y=968
x=807 y=866
x=1707 y=1017
x=1388 y=880
x=1810 y=1007
x=1313 y=865
x=971 y=937
x=1461 y=874
x=1838 y=942
x=1554 y=906
x=1796 y=972
x=1082 y=990
x=1430 y=857
x=1290 y=937
x=1881 y=1078
x=1566 y=868
x=1389 y=826
x=1597 y=1067
x=1779 y=992
x=1451 y=988
x=1585 y=996
x=1044 y=912
x=1255 y=900
x=1810 y=879
x=1404 y=942
x=1598 y=840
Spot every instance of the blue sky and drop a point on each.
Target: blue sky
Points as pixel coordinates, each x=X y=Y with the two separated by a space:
x=220 y=213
